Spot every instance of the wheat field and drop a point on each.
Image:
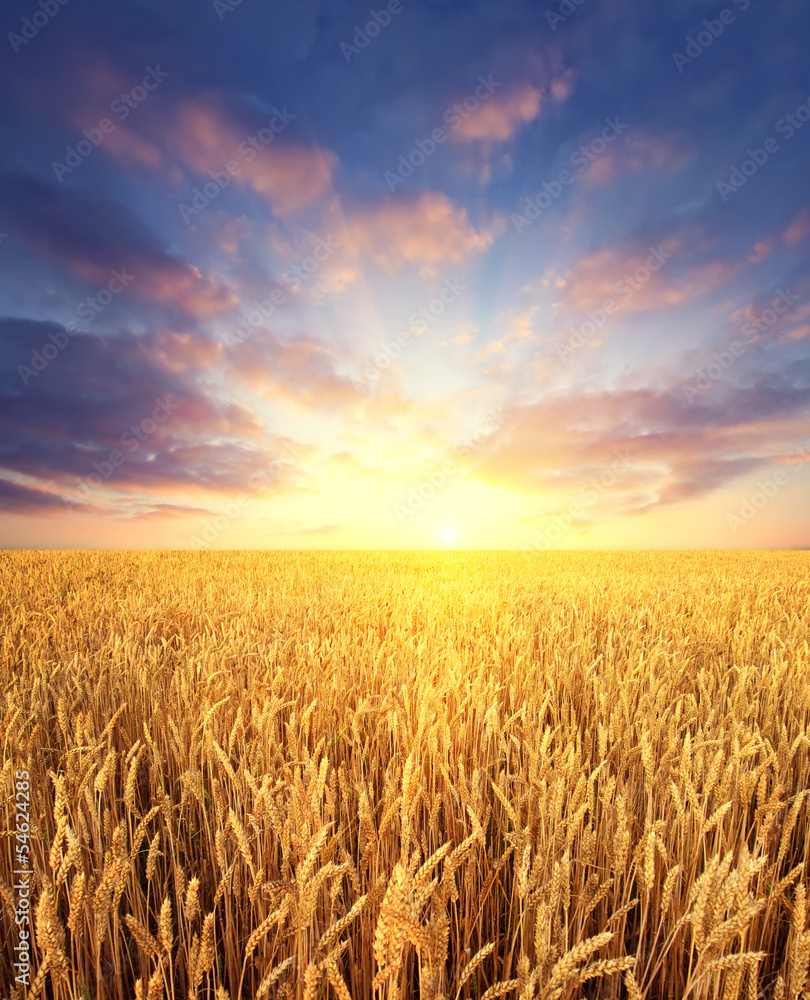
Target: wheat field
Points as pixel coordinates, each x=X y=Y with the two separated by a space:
x=452 y=774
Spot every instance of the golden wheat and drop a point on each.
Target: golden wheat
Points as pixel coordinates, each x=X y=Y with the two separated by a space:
x=456 y=775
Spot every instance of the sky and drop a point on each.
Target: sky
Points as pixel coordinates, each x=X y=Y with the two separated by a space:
x=427 y=274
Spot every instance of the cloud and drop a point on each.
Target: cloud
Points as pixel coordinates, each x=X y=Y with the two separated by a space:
x=519 y=329
x=288 y=173
x=166 y=511
x=639 y=151
x=127 y=147
x=796 y=231
x=140 y=396
x=799 y=228
x=637 y=282
x=423 y=229
x=562 y=86
x=645 y=281
x=179 y=352
x=461 y=340
x=298 y=370
x=501 y=116
x=795 y=325
x=671 y=451
x=761 y=250
x=16 y=498
x=89 y=236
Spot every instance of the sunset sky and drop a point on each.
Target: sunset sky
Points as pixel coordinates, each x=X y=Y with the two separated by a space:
x=432 y=273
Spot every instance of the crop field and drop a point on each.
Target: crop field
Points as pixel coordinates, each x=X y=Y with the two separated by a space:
x=446 y=774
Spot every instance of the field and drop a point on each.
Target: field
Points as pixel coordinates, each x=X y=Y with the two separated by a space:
x=447 y=774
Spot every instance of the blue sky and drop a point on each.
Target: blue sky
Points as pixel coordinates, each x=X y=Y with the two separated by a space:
x=522 y=275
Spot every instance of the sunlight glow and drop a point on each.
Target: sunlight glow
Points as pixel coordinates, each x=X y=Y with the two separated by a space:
x=449 y=535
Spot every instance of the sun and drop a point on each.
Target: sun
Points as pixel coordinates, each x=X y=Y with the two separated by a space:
x=449 y=535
